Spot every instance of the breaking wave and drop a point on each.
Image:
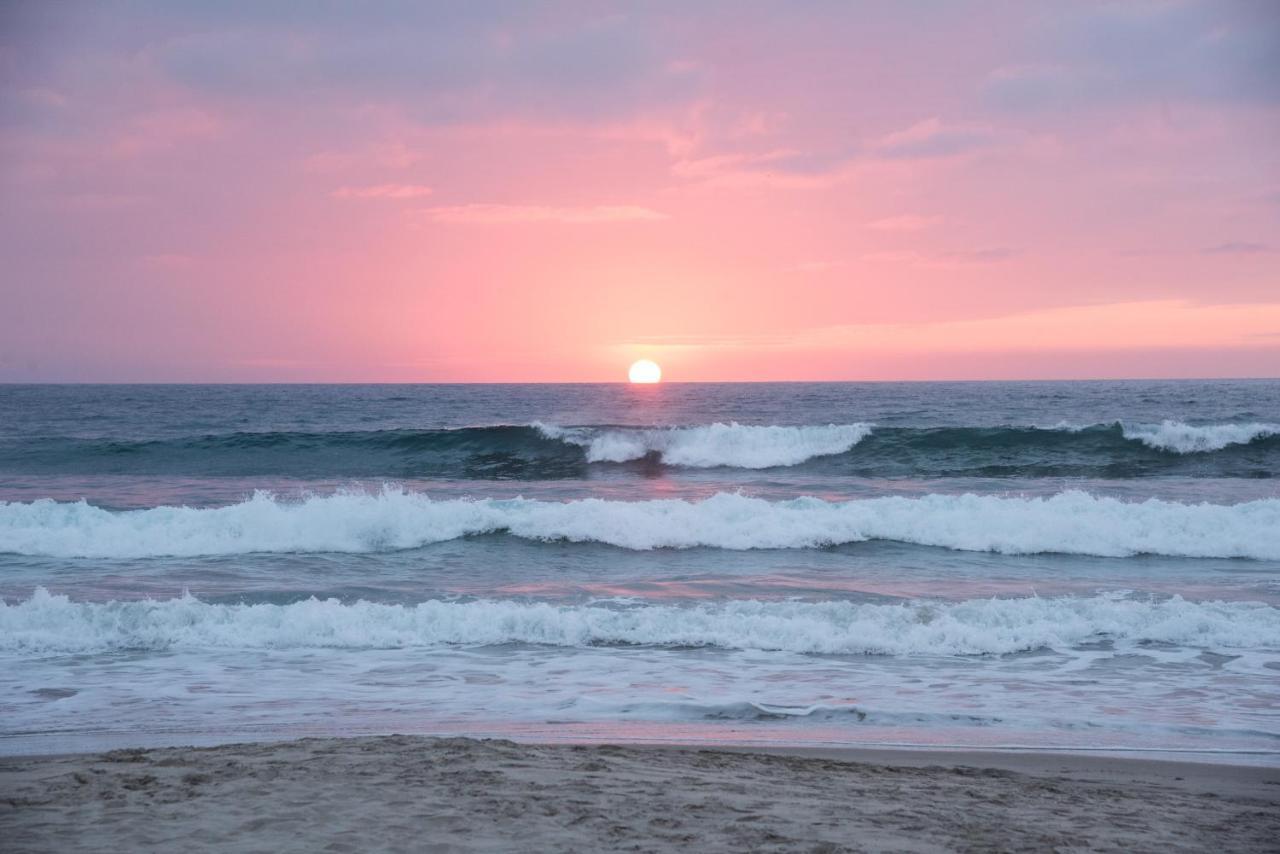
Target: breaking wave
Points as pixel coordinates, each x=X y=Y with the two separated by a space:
x=1071 y=522
x=1183 y=438
x=713 y=445
x=48 y=623
x=546 y=451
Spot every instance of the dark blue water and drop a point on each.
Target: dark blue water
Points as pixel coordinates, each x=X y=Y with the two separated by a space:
x=1068 y=565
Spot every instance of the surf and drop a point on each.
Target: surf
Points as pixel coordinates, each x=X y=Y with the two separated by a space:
x=729 y=445
x=47 y=623
x=543 y=451
x=1070 y=522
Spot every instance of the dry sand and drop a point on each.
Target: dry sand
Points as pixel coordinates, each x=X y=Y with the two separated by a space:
x=400 y=793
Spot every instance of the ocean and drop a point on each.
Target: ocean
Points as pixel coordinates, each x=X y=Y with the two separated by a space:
x=1079 y=566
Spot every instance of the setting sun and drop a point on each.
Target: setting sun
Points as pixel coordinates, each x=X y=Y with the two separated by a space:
x=645 y=371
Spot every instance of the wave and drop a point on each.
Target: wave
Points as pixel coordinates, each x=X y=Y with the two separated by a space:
x=499 y=451
x=713 y=445
x=546 y=451
x=48 y=623
x=1183 y=438
x=1071 y=522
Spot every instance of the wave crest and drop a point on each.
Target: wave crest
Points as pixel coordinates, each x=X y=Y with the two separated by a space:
x=713 y=445
x=1182 y=438
x=48 y=623
x=1071 y=522
x=545 y=451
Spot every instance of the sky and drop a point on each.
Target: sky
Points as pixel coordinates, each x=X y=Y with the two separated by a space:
x=458 y=192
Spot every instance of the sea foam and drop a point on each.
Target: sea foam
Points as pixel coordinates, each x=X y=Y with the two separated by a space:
x=48 y=623
x=1070 y=522
x=713 y=445
x=1183 y=438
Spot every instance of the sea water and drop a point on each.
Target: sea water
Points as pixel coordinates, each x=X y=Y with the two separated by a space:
x=1075 y=566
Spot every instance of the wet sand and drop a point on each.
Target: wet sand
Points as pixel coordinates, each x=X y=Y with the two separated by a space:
x=403 y=793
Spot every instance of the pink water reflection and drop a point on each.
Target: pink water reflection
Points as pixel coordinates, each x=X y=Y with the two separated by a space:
x=777 y=586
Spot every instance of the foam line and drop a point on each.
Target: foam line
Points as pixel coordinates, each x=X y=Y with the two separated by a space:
x=1070 y=522
x=48 y=623
x=713 y=445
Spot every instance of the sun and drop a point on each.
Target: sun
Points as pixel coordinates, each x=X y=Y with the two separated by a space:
x=644 y=371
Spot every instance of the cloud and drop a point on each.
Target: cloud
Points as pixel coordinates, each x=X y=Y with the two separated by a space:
x=1125 y=52
x=707 y=341
x=947 y=258
x=815 y=266
x=439 y=63
x=383 y=191
x=392 y=154
x=1031 y=88
x=829 y=165
x=99 y=202
x=979 y=256
x=905 y=222
x=778 y=168
x=479 y=214
x=1131 y=325
x=167 y=261
x=895 y=257
x=148 y=133
x=1237 y=249
x=719 y=165
x=1079 y=329
x=936 y=138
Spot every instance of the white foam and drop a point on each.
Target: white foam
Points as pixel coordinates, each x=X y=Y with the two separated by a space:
x=53 y=624
x=1188 y=439
x=712 y=445
x=1070 y=522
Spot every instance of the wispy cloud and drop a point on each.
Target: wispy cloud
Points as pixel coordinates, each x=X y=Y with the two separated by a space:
x=167 y=261
x=445 y=62
x=386 y=154
x=815 y=266
x=1110 y=54
x=946 y=258
x=1133 y=325
x=1122 y=326
x=777 y=168
x=99 y=202
x=503 y=214
x=935 y=138
x=978 y=256
x=905 y=222
x=384 y=191
x=1237 y=248
x=149 y=133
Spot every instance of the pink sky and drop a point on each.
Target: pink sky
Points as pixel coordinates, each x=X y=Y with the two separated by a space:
x=520 y=192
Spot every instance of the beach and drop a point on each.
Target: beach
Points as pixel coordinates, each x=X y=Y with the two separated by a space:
x=405 y=793
x=826 y=617
x=554 y=426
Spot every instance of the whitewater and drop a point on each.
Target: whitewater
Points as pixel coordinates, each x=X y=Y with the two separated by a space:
x=46 y=623
x=732 y=445
x=1072 y=522
x=1067 y=566
x=1189 y=439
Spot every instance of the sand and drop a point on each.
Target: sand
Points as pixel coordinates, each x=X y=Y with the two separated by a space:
x=401 y=793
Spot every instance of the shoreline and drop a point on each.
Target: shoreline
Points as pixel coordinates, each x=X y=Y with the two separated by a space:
x=1010 y=758
x=46 y=746
x=459 y=794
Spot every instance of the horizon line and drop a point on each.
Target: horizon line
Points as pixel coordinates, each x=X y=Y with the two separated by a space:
x=620 y=382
